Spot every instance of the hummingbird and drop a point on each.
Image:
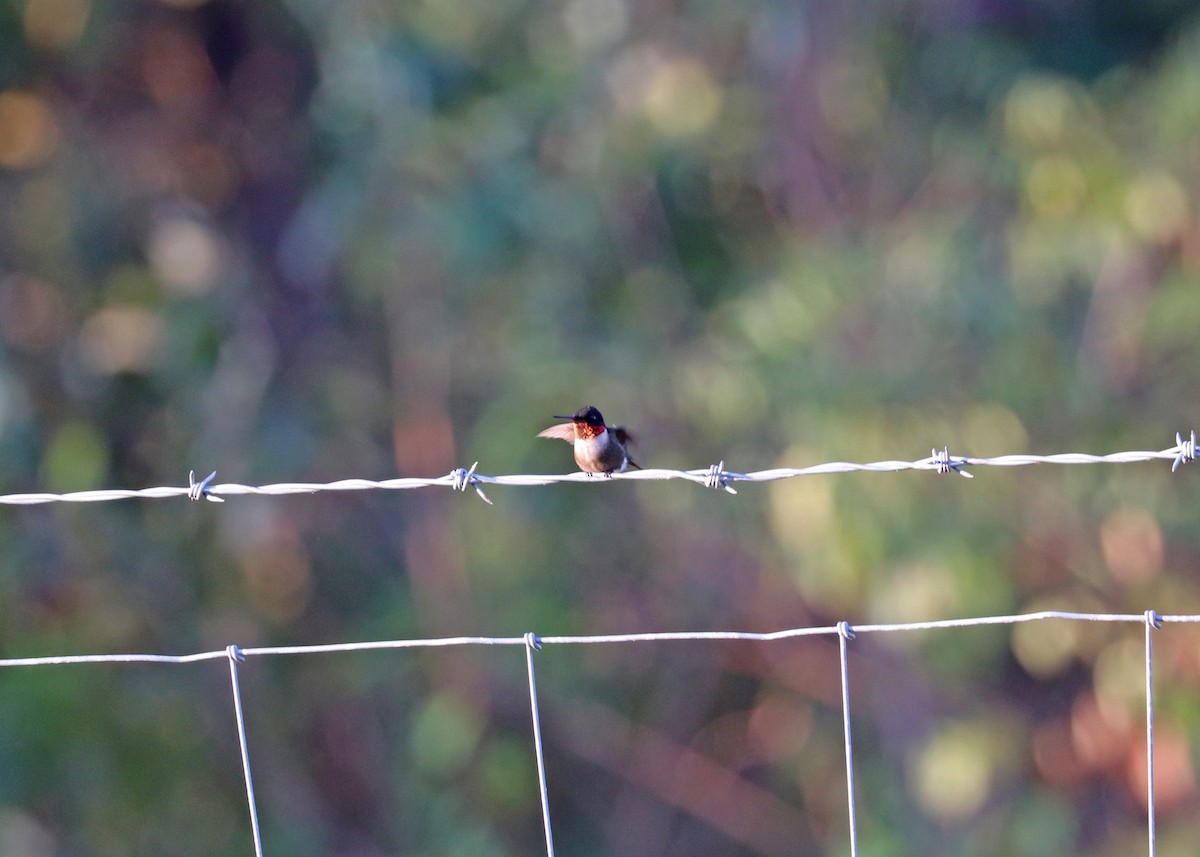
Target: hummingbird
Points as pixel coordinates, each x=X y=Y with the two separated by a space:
x=598 y=448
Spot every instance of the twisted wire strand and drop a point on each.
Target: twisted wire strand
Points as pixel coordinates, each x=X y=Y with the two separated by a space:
x=715 y=476
x=599 y=639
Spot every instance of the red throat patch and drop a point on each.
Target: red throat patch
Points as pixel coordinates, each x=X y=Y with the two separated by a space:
x=585 y=431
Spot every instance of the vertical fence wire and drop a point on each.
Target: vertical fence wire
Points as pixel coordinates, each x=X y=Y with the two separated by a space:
x=1153 y=620
x=531 y=644
x=845 y=634
x=236 y=657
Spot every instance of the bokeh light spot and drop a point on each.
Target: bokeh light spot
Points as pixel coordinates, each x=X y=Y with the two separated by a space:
x=56 y=24
x=952 y=774
x=990 y=427
x=1174 y=775
x=799 y=508
x=1036 y=112
x=779 y=726
x=1099 y=734
x=176 y=71
x=1055 y=186
x=28 y=132
x=1119 y=675
x=1045 y=648
x=122 y=339
x=1156 y=206
x=915 y=593
x=681 y=98
x=185 y=255
x=445 y=733
x=1132 y=543
x=76 y=459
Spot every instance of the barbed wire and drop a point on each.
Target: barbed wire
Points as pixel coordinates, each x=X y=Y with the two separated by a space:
x=715 y=476
x=533 y=643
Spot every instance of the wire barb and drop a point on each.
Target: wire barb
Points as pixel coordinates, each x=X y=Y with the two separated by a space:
x=718 y=478
x=196 y=490
x=945 y=463
x=1187 y=450
x=467 y=478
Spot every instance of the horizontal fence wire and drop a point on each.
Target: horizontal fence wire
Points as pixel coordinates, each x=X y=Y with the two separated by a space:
x=715 y=476
x=595 y=639
x=532 y=643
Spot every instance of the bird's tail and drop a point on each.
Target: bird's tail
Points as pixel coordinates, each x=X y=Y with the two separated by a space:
x=625 y=438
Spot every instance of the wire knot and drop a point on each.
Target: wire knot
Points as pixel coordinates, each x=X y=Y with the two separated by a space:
x=533 y=641
x=844 y=630
x=196 y=490
x=718 y=478
x=1186 y=450
x=464 y=479
x=235 y=654
x=1154 y=620
x=944 y=462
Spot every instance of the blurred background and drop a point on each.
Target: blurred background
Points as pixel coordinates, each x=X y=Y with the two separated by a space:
x=302 y=240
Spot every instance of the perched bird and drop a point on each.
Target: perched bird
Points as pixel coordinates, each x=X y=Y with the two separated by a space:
x=598 y=448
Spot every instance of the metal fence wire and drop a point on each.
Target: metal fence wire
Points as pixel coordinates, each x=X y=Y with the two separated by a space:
x=531 y=643
x=715 y=476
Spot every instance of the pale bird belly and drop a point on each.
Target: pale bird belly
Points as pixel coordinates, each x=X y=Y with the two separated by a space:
x=596 y=456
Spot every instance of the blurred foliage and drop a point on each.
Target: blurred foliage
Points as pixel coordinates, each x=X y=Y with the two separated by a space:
x=303 y=240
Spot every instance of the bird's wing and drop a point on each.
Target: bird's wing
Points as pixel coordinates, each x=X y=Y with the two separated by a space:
x=562 y=431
